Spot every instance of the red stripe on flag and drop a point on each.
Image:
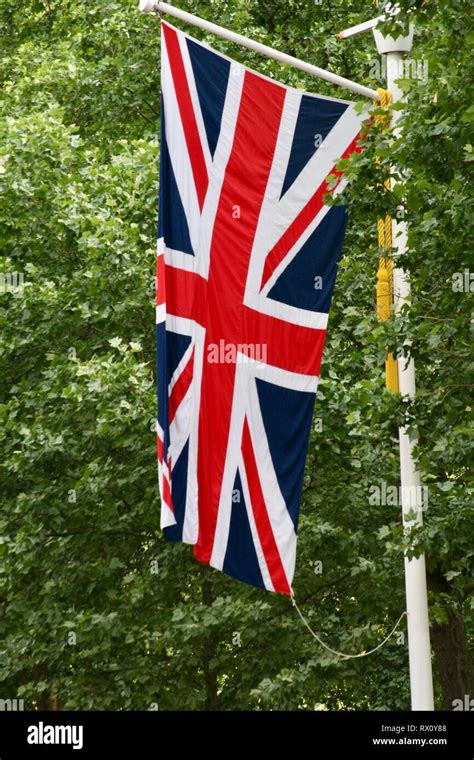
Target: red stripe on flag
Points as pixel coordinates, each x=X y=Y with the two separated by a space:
x=253 y=148
x=159 y=448
x=262 y=520
x=180 y=388
x=186 y=110
x=166 y=495
x=160 y=280
x=185 y=294
x=291 y=347
x=304 y=219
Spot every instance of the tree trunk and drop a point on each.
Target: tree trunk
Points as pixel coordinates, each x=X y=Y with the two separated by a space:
x=453 y=658
x=46 y=700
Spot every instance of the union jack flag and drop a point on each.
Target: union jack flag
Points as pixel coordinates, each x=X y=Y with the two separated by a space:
x=247 y=259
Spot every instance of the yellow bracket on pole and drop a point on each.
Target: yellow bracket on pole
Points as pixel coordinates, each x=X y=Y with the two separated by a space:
x=384 y=274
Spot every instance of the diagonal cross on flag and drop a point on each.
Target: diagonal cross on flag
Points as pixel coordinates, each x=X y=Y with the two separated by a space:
x=244 y=236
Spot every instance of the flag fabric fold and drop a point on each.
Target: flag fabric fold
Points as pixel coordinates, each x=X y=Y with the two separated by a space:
x=246 y=264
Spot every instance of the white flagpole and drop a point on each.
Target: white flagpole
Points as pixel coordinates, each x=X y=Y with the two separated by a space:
x=154 y=6
x=419 y=648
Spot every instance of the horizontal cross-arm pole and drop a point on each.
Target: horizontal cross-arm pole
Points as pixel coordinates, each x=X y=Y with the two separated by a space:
x=353 y=31
x=150 y=6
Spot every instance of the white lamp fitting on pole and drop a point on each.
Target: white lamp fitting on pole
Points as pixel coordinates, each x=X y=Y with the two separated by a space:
x=147 y=6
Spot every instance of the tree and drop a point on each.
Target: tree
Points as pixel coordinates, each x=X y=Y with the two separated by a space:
x=96 y=611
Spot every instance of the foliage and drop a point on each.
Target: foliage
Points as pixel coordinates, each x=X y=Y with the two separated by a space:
x=96 y=611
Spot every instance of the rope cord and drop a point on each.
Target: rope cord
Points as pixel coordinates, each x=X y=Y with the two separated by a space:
x=384 y=226
x=343 y=655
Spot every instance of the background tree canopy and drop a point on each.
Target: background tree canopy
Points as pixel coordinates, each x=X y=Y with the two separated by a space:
x=96 y=611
